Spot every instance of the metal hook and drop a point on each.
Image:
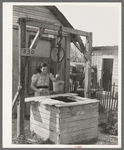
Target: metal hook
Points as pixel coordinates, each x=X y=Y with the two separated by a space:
x=60 y=36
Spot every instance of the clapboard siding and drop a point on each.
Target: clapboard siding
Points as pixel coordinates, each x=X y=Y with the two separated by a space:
x=33 y=11
x=100 y=53
x=36 y=8
x=40 y=13
x=21 y=14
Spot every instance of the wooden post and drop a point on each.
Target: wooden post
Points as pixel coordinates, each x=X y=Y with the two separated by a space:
x=88 y=66
x=22 y=61
x=67 y=63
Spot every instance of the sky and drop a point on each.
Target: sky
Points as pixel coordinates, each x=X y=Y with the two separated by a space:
x=103 y=21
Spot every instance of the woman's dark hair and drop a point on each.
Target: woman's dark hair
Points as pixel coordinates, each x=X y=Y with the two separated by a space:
x=42 y=65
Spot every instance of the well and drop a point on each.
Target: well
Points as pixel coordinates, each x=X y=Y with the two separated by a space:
x=64 y=118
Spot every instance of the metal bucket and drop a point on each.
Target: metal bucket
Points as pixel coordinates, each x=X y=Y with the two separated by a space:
x=58 y=86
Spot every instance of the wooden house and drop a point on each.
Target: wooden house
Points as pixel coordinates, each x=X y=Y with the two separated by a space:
x=106 y=60
x=52 y=16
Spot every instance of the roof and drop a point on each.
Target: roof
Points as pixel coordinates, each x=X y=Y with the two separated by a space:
x=105 y=48
x=59 y=16
x=65 y=23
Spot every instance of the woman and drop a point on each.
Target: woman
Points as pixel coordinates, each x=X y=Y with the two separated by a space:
x=40 y=81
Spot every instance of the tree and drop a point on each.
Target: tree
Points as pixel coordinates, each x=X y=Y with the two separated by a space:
x=76 y=55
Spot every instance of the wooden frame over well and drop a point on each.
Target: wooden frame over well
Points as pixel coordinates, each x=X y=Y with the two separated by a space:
x=75 y=35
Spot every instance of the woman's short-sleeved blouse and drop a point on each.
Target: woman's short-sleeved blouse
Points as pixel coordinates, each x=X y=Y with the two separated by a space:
x=41 y=80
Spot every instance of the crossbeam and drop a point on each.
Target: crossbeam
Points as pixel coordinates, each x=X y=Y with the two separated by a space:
x=78 y=47
x=38 y=23
x=50 y=26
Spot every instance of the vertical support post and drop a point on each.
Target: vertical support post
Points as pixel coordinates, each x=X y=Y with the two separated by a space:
x=22 y=61
x=88 y=66
x=67 y=64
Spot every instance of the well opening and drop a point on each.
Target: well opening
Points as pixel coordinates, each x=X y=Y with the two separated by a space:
x=65 y=99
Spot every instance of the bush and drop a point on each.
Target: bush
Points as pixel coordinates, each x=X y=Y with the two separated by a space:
x=111 y=124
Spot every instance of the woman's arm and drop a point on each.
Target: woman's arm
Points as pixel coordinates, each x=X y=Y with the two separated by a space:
x=33 y=87
x=33 y=83
x=56 y=78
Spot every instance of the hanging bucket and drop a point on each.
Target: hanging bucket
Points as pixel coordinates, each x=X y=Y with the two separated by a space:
x=58 y=86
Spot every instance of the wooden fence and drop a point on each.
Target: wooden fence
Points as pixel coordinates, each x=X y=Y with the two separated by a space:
x=108 y=99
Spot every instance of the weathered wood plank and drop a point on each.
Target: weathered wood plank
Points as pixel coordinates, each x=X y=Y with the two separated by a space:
x=78 y=132
x=84 y=123
x=33 y=11
x=62 y=131
x=77 y=128
x=43 y=125
x=67 y=64
x=36 y=8
x=55 y=118
x=48 y=132
x=27 y=99
x=65 y=124
x=66 y=114
x=43 y=135
x=88 y=66
x=44 y=121
x=78 y=138
x=21 y=14
x=79 y=108
x=80 y=117
x=75 y=104
x=39 y=105
x=45 y=116
x=46 y=111
x=22 y=63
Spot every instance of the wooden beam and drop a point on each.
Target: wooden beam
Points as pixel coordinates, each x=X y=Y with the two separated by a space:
x=22 y=60
x=46 y=31
x=37 y=38
x=83 y=49
x=74 y=42
x=35 y=41
x=67 y=64
x=81 y=44
x=88 y=66
x=16 y=97
x=38 y=23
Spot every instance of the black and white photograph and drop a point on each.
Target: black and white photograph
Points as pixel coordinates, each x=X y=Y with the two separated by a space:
x=61 y=75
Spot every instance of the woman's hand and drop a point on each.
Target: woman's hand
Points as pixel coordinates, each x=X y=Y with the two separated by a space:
x=39 y=90
x=57 y=77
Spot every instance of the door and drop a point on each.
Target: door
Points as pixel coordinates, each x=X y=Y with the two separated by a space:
x=107 y=74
